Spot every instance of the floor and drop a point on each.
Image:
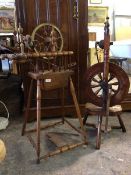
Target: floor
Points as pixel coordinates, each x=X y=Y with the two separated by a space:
x=114 y=157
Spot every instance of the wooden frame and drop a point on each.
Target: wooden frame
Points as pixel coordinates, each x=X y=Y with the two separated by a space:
x=7 y=20
x=95 y=1
x=97 y=15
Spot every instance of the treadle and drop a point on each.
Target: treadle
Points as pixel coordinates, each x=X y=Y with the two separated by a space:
x=56 y=139
x=61 y=139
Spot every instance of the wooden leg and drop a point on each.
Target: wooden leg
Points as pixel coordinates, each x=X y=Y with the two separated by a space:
x=38 y=119
x=85 y=119
x=72 y=89
x=27 y=108
x=121 y=123
x=98 y=139
x=63 y=104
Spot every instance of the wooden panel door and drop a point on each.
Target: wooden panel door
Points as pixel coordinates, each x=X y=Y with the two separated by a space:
x=70 y=16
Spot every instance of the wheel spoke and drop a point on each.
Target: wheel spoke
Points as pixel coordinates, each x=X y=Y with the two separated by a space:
x=100 y=76
x=45 y=32
x=51 y=32
x=113 y=90
x=39 y=36
x=111 y=77
x=95 y=80
x=114 y=83
x=97 y=92
x=94 y=86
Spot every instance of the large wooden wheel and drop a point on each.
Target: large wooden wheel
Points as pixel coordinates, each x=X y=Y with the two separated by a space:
x=47 y=37
x=94 y=84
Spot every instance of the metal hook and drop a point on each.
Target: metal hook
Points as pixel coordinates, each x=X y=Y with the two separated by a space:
x=75 y=10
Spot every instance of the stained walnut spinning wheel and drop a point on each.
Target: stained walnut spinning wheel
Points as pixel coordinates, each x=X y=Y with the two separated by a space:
x=47 y=37
x=118 y=82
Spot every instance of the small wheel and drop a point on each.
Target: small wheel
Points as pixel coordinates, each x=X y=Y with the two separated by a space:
x=117 y=78
x=47 y=37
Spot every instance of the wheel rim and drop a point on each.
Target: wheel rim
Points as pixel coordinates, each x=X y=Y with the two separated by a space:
x=117 y=78
x=47 y=37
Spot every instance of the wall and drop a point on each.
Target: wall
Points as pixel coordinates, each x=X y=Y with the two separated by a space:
x=120 y=20
x=120 y=30
x=100 y=29
x=7 y=3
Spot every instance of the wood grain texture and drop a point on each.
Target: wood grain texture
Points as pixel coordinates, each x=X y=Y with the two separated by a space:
x=31 y=13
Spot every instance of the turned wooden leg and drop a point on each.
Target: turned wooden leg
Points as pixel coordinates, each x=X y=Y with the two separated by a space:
x=72 y=89
x=63 y=104
x=85 y=119
x=38 y=119
x=27 y=108
x=121 y=123
x=98 y=138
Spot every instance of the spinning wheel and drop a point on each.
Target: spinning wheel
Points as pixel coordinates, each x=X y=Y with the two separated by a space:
x=106 y=84
x=47 y=37
x=51 y=73
x=118 y=82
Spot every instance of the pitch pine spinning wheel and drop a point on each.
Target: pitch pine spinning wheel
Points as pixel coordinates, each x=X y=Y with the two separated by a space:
x=47 y=37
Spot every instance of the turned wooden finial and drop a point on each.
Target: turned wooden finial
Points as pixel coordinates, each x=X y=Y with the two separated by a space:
x=107 y=25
